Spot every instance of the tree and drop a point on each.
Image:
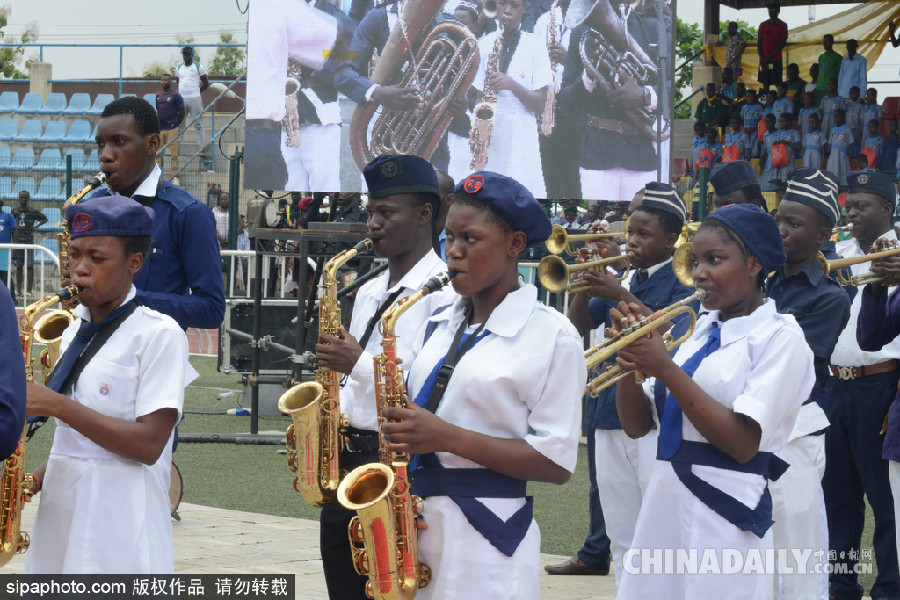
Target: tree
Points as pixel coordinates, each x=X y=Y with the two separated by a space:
x=156 y=68
x=227 y=61
x=11 y=56
x=689 y=41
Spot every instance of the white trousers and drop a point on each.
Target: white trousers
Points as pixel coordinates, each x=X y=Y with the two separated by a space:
x=617 y=185
x=798 y=509
x=192 y=108
x=623 y=471
x=894 y=474
x=314 y=165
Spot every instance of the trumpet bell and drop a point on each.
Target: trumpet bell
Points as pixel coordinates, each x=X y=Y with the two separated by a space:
x=682 y=264
x=553 y=273
x=489 y=9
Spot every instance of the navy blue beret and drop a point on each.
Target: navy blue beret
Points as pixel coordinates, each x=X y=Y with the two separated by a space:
x=759 y=232
x=509 y=199
x=873 y=183
x=815 y=188
x=663 y=196
x=731 y=176
x=110 y=215
x=389 y=174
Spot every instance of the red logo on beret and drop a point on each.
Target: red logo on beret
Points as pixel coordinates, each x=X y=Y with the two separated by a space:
x=81 y=223
x=473 y=184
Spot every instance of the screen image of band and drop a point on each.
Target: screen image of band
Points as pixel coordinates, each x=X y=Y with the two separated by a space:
x=562 y=95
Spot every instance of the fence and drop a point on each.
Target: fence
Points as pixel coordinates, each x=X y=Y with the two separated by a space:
x=43 y=256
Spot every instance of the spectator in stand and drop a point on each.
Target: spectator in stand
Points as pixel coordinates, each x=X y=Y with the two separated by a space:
x=170 y=110
x=853 y=71
x=874 y=142
x=813 y=143
x=773 y=34
x=27 y=220
x=220 y=212
x=751 y=114
x=728 y=88
x=795 y=86
x=736 y=45
x=855 y=121
x=713 y=145
x=736 y=138
x=699 y=144
x=783 y=104
x=828 y=105
x=570 y=218
x=871 y=110
x=809 y=108
x=790 y=137
x=7 y=236
x=192 y=80
x=891 y=144
x=740 y=101
x=829 y=67
x=813 y=80
x=709 y=110
x=767 y=180
x=769 y=104
x=841 y=141
x=243 y=243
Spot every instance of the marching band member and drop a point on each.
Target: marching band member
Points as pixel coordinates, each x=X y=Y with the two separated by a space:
x=623 y=464
x=735 y=182
x=725 y=403
x=859 y=396
x=806 y=215
x=403 y=200
x=497 y=387
x=116 y=408
x=12 y=377
x=521 y=87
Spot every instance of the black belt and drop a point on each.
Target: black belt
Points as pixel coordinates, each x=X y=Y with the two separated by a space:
x=361 y=440
x=264 y=124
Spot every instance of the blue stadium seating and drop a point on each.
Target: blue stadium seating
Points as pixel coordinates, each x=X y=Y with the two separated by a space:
x=9 y=102
x=31 y=131
x=77 y=159
x=151 y=98
x=99 y=104
x=93 y=139
x=51 y=160
x=92 y=164
x=23 y=161
x=5 y=158
x=55 y=132
x=56 y=103
x=54 y=216
x=9 y=129
x=128 y=96
x=31 y=103
x=50 y=244
x=24 y=184
x=50 y=189
x=79 y=104
x=79 y=133
x=6 y=191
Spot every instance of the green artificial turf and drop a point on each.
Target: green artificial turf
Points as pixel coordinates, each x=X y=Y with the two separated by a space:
x=256 y=478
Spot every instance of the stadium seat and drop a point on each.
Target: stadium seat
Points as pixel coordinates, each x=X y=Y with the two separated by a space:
x=771 y=199
x=92 y=164
x=93 y=139
x=79 y=104
x=50 y=244
x=25 y=184
x=31 y=104
x=56 y=103
x=23 y=161
x=79 y=133
x=5 y=158
x=9 y=102
x=31 y=131
x=55 y=132
x=54 y=216
x=77 y=155
x=50 y=189
x=151 y=98
x=9 y=129
x=128 y=96
x=6 y=188
x=99 y=104
x=51 y=160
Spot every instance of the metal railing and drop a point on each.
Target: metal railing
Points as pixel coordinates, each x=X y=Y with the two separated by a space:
x=9 y=268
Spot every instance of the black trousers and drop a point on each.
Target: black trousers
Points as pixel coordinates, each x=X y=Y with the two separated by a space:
x=343 y=582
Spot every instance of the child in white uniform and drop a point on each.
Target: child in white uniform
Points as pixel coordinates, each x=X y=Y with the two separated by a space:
x=511 y=408
x=725 y=403
x=114 y=425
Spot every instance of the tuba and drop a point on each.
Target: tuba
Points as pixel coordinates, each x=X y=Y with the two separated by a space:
x=480 y=134
x=440 y=60
x=383 y=534
x=548 y=117
x=612 y=65
x=314 y=440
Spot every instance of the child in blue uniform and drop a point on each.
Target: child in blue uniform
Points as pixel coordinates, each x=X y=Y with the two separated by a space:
x=841 y=141
x=814 y=144
x=871 y=110
x=830 y=102
x=782 y=104
x=808 y=108
x=751 y=113
x=854 y=115
x=737 y=138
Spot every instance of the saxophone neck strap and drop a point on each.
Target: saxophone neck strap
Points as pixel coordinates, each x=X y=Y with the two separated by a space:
x=457 y=350
x=370 y=327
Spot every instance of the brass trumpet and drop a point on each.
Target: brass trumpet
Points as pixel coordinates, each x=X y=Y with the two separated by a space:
x=846 y=228
x=610 y=346
x=838 y=265
x=560 y=241
x=554 y=273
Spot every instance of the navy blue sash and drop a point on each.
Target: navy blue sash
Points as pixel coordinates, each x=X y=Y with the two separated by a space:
x=756 y=520
x=463 y=486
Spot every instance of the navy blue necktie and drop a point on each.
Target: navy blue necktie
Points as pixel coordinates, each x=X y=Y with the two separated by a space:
x=672 y=418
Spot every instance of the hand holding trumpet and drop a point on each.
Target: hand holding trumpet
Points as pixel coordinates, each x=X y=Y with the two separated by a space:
x=888 y=266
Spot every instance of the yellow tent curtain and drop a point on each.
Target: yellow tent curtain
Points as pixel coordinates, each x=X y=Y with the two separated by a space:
x=866 y=23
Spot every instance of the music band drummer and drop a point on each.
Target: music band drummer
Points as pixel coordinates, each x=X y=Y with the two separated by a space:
x=116 y=404
x=404 y=196
x=512 y=372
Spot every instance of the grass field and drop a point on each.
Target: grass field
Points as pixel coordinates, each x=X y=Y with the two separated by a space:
x=256 y=478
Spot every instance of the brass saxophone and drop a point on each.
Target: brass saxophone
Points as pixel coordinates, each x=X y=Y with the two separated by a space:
x=548 y=117
x=313 y=440
x=290 y=123
x=480 y=134
x=440 y=60
x=15 y=483
x=383 y=534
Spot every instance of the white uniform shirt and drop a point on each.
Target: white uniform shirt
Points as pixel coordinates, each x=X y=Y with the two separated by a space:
x=189 y=79
x=524 y=380
x=846 y=351
x=358 y=396
x=100 y=512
